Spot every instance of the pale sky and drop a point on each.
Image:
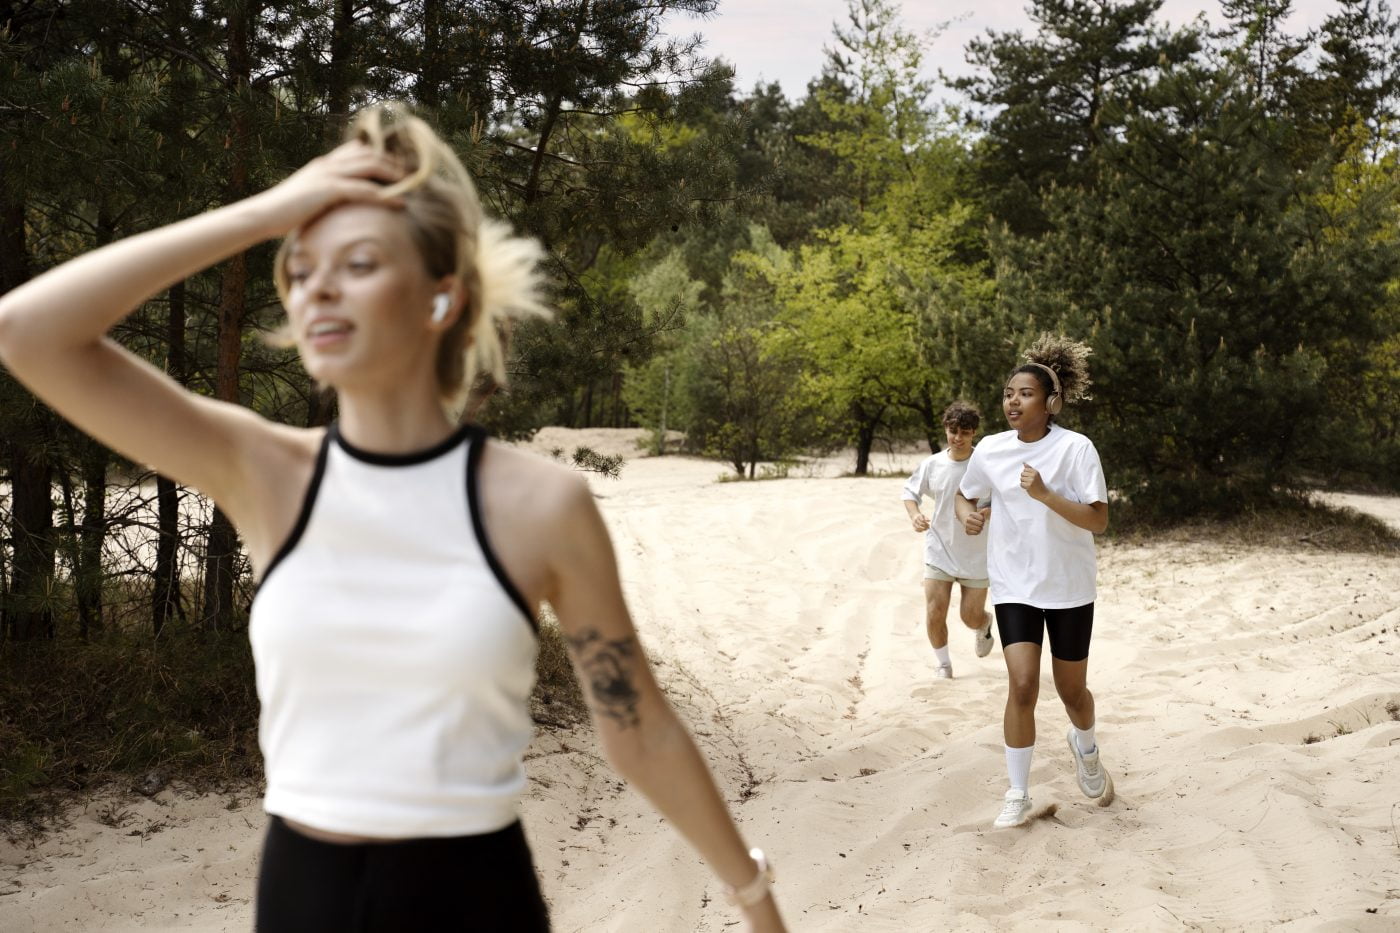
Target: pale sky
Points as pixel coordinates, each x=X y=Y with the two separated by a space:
x=782 y=40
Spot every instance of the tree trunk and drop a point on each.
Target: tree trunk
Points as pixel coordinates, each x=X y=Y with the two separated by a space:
x=865 y=439
x=338 y=94
x=92 y=467
x=91 y=533
x=222 y=543
x=428 y=88
x=165 y=594
x=220 y=549
x=28 y=609
x=616 y=401
x=30 y=613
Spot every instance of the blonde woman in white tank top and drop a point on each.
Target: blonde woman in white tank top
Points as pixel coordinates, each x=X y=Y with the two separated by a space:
x=395 y=286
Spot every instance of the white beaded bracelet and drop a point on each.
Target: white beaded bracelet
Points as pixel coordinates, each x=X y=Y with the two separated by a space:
x=757 y=889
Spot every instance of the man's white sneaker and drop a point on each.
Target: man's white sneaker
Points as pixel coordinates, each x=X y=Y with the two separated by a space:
x=1087 y=768
x=943 y=672
x=983 y=638
x=1015 y=810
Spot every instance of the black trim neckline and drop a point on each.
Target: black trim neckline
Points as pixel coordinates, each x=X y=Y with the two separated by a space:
x=498 y=569
x=406 y=459
x=308 y=502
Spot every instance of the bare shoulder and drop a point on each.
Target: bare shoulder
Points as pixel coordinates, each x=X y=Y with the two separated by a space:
x=279 y=461
x=539 y=515
x=547 y=503
x=533 y=486
x=278 y=455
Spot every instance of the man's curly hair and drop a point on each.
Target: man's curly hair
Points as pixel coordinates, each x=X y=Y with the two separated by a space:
x=962 y=416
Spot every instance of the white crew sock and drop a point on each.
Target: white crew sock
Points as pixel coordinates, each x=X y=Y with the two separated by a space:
x=1084 y=738
x=1018 y=767
x=944 y=658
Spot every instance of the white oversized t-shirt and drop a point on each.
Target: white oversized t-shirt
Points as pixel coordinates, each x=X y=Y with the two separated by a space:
x=946 y=545
x=1033 y=555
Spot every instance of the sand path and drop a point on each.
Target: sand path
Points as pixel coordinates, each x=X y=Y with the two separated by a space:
x=1248 y=704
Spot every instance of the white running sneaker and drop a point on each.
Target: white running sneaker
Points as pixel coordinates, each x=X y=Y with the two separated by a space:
x=1015 y=810
x=1087 y=768
x=943 y=672
x=982 y=638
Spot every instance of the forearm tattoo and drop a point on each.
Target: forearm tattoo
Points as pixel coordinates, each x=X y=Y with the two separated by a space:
x=608 y=666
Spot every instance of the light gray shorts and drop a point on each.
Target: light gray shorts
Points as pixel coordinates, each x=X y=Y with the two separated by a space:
x=933 y=573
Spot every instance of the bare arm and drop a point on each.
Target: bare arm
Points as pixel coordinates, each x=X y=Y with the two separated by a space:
x=1091 y=516
x=918 y=518
x=969 y=515
x=641 y=734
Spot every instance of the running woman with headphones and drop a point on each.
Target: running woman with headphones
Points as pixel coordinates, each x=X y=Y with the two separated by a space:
x=1049 y=499
x=402 y=558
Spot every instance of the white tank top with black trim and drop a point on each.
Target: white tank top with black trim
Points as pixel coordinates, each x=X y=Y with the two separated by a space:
x=394 y=657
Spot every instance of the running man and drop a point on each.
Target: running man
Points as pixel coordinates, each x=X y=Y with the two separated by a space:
x=951 y=555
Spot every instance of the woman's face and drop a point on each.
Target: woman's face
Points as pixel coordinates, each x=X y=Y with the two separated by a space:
x=359 y=299
x=1023 y=402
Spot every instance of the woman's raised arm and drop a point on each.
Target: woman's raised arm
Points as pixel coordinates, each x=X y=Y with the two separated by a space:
x=53 y=328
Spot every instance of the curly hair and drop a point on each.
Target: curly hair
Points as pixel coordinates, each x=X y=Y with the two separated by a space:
x=962 y=415
x=1068 y=359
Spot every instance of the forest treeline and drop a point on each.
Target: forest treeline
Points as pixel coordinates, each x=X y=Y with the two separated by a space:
x=770 y=271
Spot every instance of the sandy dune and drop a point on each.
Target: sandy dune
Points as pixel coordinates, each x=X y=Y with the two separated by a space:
x=1248 y=707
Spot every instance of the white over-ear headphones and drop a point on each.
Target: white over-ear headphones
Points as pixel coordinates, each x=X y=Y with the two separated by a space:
x=442 y=303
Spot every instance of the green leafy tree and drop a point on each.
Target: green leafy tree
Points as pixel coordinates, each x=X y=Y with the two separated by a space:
x=744 y=380
x=654 y=393
x=1356 y=83
x=854 y=296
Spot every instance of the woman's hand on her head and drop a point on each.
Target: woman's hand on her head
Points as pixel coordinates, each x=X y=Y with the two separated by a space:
x=351 y=173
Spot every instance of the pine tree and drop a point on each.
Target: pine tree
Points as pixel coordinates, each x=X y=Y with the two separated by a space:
x=1049 y=100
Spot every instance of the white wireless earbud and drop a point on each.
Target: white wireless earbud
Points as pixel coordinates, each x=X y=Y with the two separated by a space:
x=442 y=303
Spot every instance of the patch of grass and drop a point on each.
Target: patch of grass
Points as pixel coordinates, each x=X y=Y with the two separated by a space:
x=877 y=474
x=74 y=716
x=115 y=815
x=1287 y=521
x=779 y=469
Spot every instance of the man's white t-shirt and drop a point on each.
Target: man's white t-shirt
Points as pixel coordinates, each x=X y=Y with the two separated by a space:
x=1033 y=555
x=946 y=545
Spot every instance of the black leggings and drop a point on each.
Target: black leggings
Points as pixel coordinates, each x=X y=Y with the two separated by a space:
x=1069 y=628
x=480 y=883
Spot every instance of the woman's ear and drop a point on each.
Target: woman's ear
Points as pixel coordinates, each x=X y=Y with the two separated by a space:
x=447 y=304
x=442 y=306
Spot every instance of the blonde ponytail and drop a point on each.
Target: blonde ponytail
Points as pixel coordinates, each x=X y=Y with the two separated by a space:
x=509 y=286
